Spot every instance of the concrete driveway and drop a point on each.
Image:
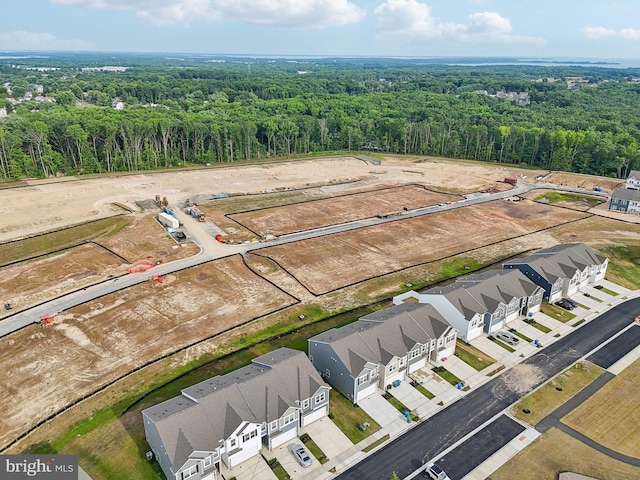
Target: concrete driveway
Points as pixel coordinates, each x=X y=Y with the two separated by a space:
x=291 y=465
x=328 y=437
x=389 y=418
x=250 y=469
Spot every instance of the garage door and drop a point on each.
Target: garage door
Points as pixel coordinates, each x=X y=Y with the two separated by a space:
x=370 y=390
x=284 y=438
x=313 y=416
x=243 y=454
x=418 y=365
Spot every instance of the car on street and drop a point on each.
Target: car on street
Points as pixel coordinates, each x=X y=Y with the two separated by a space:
x=435 y=473
x=508 y=337
x=564 y=304
x=303 y=458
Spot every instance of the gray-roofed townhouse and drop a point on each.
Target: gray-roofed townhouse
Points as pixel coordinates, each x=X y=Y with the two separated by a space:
x=483 y=302
x=381 y=348
x=562 y=270
x=625 y=200
x=633 y=180
x=230 y=418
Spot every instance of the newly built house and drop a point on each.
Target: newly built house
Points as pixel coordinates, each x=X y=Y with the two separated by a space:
x=381 y=348
x=230 y=418
x=625 y=200
x=483 y=302
x=562 y=270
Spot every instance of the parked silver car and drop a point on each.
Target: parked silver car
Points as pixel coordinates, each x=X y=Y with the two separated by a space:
x=301 y=454
x=434 y=472
x=508 y=337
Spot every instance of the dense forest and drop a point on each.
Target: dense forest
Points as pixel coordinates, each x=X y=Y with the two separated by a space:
x=66 y=114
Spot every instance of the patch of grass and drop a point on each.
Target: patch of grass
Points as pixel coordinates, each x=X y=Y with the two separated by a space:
x=521 y=335
x=460 y=266
x=473 y=356
x=556 y=312
x=400 y=406
x=49 y=242
x=542 y=328
x=349 y=418
x=557 y=197
x=546 y=399
x=608 y=292
x=447 y=375
x=556 y=452
x=380 y=441
x=278 y=469
x=423 y=390
x=611 y=415
x=624 y=265
x=314 y=448
x=579 y=322
x=493 y=372
x=502 y=344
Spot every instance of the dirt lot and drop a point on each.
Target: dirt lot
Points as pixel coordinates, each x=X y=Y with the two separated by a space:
x=577 y=180
x=328 y=263
x=30 y=283
x=611 y=416
x=346 y=208
x=92 y=344
x=47 y=204
x=556 y=452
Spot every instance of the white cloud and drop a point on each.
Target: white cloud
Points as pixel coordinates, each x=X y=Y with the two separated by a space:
x=596 y=33
x=291 y=13
x=23 y=40
x=414 y=18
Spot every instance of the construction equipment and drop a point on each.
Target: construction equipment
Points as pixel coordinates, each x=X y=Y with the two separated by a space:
x=140 y=266
x=45 y=320
x=157 y=278
x=196 y=213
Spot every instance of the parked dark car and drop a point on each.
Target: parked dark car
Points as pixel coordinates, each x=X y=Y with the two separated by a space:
x=564 y=304
x=571 y=301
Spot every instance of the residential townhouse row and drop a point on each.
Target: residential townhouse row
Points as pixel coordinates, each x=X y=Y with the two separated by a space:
x=230 y=418
x=627 y=199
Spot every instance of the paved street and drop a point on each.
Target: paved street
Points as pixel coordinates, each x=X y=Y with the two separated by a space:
x=428 y=439
x=617 y=348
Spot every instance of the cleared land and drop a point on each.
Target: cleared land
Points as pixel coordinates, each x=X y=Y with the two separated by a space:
x=95 y=343
x=346 y=208
x=328 y=263
x=556 y=452
x=547 y=398
x=611 y=416
x=578 y=180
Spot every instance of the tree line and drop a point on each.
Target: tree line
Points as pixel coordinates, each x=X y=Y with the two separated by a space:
x=229 y=112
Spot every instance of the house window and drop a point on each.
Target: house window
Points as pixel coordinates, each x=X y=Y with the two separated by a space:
x=263 y=428
x=288 y=419
x=207 y=461
x=402 y=361
x=305 y=404
x=232 y=443
x=374 y=373
x=363 y=379
x=319 y=398
x=414 y=353
x=440 y=342
x=274 y=425
x=189 y=472
x=311 y=358
x=246 y=437
x=327 y=373
x=451 y=337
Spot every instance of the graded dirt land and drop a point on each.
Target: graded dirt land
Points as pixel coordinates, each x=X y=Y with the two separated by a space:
x=327 y=263
x=43 y=205
x=93 y=344
x=339 y=209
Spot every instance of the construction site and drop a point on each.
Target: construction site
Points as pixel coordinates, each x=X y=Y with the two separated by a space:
x=54 y=244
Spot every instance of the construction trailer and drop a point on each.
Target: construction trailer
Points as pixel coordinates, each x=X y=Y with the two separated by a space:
x=195 y=212
x=168 y=220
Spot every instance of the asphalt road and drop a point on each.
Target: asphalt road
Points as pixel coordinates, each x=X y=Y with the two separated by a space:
x=477 y=448
x=616 y=349
x=431 y=437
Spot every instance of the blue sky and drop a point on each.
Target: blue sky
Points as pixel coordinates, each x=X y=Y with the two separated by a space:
x=522 y=28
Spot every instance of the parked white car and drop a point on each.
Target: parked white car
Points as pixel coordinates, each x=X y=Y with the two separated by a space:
x=301 y=454
x=434 y=472
x=508 y=337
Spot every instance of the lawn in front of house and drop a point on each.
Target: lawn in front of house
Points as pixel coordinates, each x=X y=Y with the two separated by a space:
x=447 y=375
x=400 y=406
x=349 y=418
x=547 y=398
x=473 y=356
x=556 y=312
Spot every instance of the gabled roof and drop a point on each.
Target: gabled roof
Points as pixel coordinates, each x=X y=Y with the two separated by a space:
x=629 y=194
x=561 y=261
x=634 y=174
x=383 y=335
x=213 y=410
